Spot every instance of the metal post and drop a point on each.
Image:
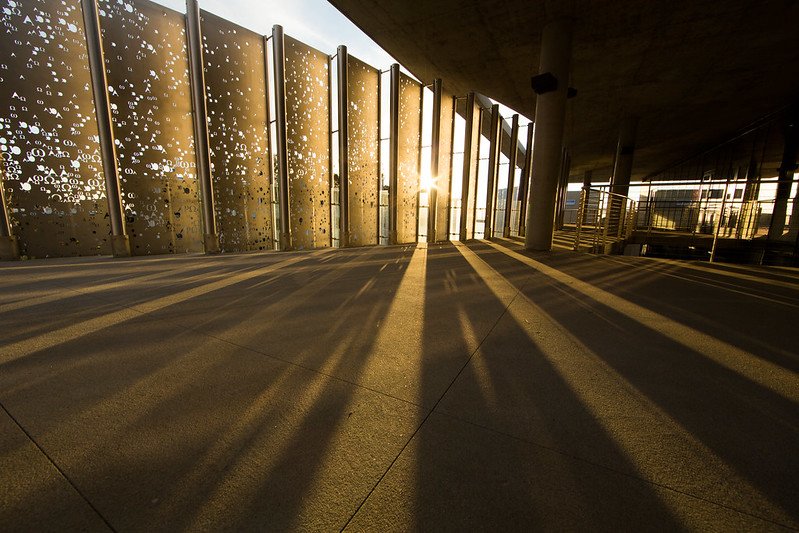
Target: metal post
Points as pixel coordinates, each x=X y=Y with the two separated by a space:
x=393 y=152
x=718 y=224
x=9 y=247
x=476 y=173
x=419 y=166
x=120 y=244
x=580 y=214
x=435 y=142
x=525 y=185
x=343 y=147
x=200 y=115
x=563 y=186
x=269 y=168
x=514 y=141
x=467 y=163
x=279 y=61
x=493 y=169
x=449 y=170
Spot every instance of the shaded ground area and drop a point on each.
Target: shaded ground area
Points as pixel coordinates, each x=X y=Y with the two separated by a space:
x=444 y=387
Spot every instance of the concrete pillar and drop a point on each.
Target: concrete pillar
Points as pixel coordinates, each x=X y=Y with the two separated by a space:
x=550 y=115
x=625 y=148
x=120 y=243
x=784 y=182
x=587 y=176
x=200 y=116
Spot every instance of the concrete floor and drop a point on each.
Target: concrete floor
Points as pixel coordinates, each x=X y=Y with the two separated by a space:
x=450 y=387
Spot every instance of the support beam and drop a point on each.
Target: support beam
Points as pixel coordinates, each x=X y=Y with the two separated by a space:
x=550 y=115
x=467 y=164
x=279 y=61
x=493 y=169
x=343 y=147
x=435 y=147
x=393 y=152
x=514 y=141
x=200 y=115
x=526 y=174
x=120 y=243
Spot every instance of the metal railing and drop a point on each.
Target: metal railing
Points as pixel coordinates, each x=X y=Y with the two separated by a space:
x=603 y=220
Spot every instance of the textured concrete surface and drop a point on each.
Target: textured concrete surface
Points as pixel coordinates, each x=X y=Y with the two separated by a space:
x=450 y=387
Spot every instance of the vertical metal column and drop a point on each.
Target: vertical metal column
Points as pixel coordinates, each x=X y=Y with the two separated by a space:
x=493 y=169
x=467 y=164
x=279 y=61
x=9 y=247
x=514 y=141
x=563 y=185
x=269 y=167
x=343 y=147
x=476 y=174
x=393 y=149
x=120 y=244
x=525 y=185
x=451 y=156
x=200 y=116
x=435 y=147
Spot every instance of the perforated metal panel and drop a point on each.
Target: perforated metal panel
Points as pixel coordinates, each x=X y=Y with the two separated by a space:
x=51 y=165
x=364 y=109
x=147 y=69
x=443 y=181
x=408 y=155
x=308 y=144
x=237 y=129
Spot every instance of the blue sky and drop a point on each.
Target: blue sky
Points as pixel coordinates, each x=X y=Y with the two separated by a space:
x=314 y=22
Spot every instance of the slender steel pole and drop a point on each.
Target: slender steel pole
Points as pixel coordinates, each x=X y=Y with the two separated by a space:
x=120 y=244
x=514 y=141
x=493 y=169
x=200 y=115
x=343 y=146
x=270 y=173
x=525 y=185
x=393 y=150
x=9 y=247
x=450 y=181
x=476 y=172
x=435 y=147
x=467 y=164
x=279 y=62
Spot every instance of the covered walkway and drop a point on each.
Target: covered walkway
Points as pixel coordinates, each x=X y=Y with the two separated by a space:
x=441 y=387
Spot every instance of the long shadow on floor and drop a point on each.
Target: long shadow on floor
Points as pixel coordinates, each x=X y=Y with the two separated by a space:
x=750 y=428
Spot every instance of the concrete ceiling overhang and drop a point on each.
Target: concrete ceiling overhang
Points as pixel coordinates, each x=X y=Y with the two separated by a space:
x=694 y=71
